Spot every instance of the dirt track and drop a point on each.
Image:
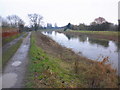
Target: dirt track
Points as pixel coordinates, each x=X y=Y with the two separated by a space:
x=14 y=72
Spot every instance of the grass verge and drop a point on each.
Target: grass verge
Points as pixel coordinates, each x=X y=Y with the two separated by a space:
x=6 y=40
x=53 y=68
x=10 y=52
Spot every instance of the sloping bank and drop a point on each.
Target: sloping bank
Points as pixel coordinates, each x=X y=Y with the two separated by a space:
x=53 y=66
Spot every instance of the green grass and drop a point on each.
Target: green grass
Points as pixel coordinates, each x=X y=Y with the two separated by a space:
x=10 y=52
x=9 y=39
x=109 y=33
x=46 y=71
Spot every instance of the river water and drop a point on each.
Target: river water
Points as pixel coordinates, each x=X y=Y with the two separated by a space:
x=92 y=48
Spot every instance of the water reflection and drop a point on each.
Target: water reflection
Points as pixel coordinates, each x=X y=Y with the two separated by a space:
x=83 y=38
x=70 y=36
x=104 y=43
x=48 y=32
x=91 y=48
x=118 y=46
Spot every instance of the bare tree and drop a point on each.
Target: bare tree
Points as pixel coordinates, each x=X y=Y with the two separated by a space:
x=9 y=18
x=15 y=21
x=35 y=20
x=4 y=22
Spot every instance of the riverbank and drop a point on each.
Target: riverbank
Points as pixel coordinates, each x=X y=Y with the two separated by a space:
x=104 y=35
x=54 y=66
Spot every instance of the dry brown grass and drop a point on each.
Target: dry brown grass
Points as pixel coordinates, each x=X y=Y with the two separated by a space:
x=80 y=72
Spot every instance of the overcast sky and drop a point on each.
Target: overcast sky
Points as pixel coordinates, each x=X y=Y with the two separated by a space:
x=62 y=11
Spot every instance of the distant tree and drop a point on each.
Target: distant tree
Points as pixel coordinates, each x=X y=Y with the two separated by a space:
x=0 y=21
x=49 y=25
x=15 y=21
x=55 y=25
x=119 y=25
x=100 y=20
x=100 y=24
x=93 y=23
x=82 y=26
x=35 y=20
x=74 y=27
x=21 y=28
x=106 y=26
x=69 y=26
x=9 y=18
x=4 y=22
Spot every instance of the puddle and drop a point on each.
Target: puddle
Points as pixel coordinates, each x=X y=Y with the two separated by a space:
x=9 y=80
x=16 y=63
x=25 y=46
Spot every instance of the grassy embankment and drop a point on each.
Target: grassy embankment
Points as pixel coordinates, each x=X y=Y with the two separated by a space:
x=52 y=66
x=104 y=35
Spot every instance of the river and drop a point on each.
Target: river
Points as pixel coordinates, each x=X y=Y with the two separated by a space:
x=92 y=48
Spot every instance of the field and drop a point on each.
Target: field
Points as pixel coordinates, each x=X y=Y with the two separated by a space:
x=54 y=66
x=108 y=33
x=105 y=35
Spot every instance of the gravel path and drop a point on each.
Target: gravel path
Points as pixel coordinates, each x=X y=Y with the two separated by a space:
x=14 y=72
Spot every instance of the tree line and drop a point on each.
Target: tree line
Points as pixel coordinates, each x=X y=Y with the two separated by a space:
x=99 y=24
x=14 y=21
x=35 y=20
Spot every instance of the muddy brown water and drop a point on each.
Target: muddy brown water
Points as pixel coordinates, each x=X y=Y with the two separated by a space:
x=92 y=48
x=14 y=72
